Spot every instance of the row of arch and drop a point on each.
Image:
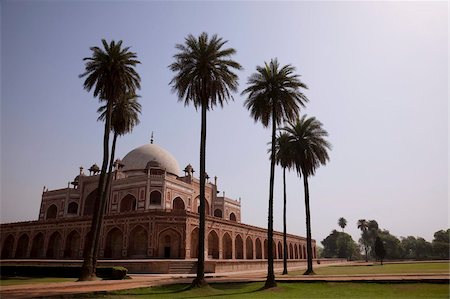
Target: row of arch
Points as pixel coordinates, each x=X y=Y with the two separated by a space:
x=169 y=245
x=253 y=249
x=127 y=204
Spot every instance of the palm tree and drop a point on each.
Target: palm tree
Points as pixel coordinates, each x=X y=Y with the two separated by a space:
x=311 y=151
x=342 y=222
x=204 y=77
x=363 y=225
x=110 y=73
x=274 y=95
x=283 y=156
x=124 y=117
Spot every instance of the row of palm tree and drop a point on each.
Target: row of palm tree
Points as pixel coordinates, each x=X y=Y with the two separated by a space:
x=205 y=77
x=111 y=74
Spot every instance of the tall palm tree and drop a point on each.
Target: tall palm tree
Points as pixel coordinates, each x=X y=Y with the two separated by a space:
x=342 y=222
x=274 y=95
x=311 y=151
x=205 y=78
x=124 y=117
x=284 y=157
x=110 y=72
x=363 y=225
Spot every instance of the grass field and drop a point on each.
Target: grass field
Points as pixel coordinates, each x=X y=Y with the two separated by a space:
x=26 y=280
x=286 y=290
x=401 y=268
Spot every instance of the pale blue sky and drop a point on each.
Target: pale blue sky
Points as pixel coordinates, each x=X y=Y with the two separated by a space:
x=378 y=80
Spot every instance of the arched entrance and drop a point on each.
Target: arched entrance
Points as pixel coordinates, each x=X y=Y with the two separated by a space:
x=178 y=204
x=239 y=247
x=207 y=208
x=137 y=247
x=258 y=248
x=194 y=243
x=128 y=203
x=249 y=248
x=114 y=244
x=52 y=211
x=233 y=217
x=54 y=246
x=73 y=242
x=169 y=244
x=266 y=252
x=155 y=198
x=37 y=246
x=291 y=251
x=22 y=246
x=227 y=247
x=89 y=203
x=296 y=251
x=213 y=245
x=8 y=246
x=304 y=251
x=280 y=250
x=218 y=213
x=72 y=208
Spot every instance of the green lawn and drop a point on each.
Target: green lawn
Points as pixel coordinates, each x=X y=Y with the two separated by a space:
x=286 y=290
x=378 y=269
x=26 y=280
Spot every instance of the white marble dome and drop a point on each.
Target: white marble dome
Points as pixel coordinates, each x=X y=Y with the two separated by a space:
x=141 y=156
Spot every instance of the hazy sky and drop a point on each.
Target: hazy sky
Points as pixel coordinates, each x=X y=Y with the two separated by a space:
x=377 y=74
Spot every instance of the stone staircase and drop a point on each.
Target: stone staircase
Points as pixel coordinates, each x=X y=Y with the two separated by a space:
x=183 y=267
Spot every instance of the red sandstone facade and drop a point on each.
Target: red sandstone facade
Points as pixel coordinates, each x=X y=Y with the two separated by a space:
x=152 y=213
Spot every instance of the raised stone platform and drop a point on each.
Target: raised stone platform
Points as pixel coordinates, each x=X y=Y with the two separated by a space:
x=174 y=266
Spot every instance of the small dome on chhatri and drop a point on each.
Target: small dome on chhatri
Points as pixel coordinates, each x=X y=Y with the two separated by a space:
x=94 y=168
x=140 y=157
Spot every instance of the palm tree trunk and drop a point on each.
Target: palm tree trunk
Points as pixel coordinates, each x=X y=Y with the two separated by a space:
x=200 y=281
x=285 y=251
x=270 y=282
x=87 y=269
x=104 y=200
x=309 y=270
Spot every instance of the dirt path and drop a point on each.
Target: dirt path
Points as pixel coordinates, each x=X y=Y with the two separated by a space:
x=148 y=280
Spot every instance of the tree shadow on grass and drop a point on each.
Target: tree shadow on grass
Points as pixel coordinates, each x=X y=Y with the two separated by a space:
x=212 y=290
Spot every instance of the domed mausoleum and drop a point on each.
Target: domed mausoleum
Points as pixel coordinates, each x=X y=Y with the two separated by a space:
x=151 y=219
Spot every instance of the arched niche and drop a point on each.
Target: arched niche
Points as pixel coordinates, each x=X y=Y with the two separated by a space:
x=155 y=198
x=128 y=203
x=249 y=248
x=137 y=247
x=169 y=244
x=233 y=217
x=73 y=243
x=238 y=247
x=8 y=247
x=178 y=204
x=89 y=203
x=258 y=249
x=227 y=247
x=194 y=243
x=218 y=213
x=114 y=244
x=22 y=246
x=37 y=246
x=280 y=250
x=72 y=208
x=213 y=245
x=53 y=246
x=52 y=212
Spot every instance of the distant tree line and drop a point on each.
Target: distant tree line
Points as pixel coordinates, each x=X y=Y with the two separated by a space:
x=341 y=245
